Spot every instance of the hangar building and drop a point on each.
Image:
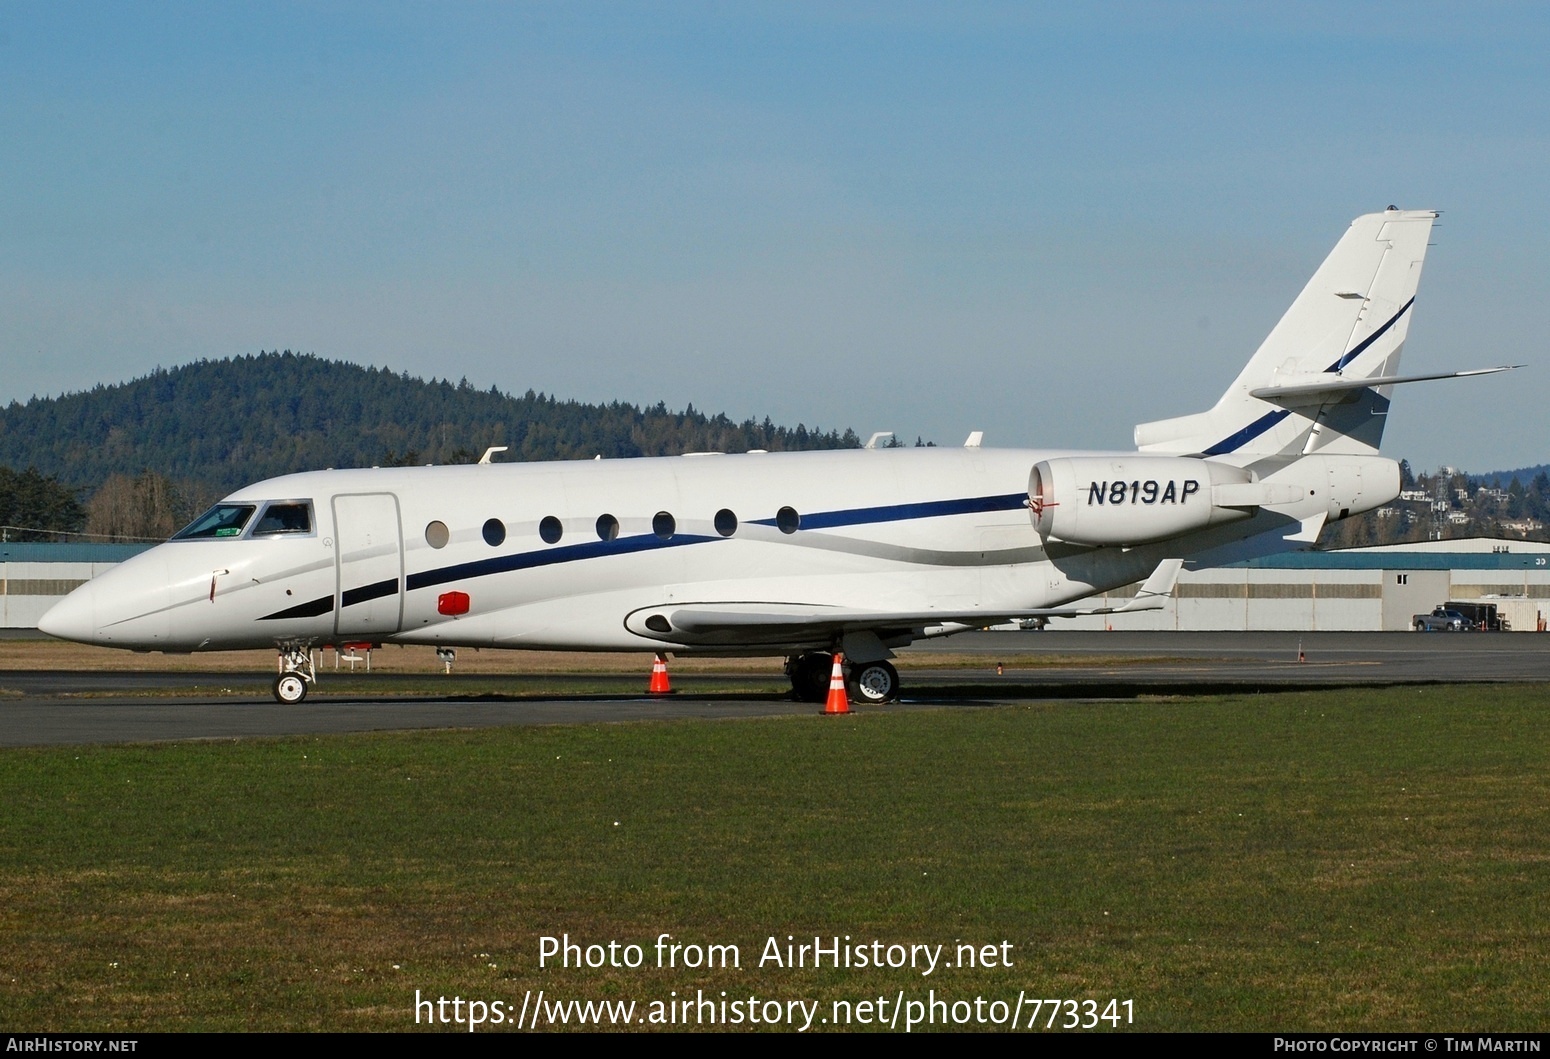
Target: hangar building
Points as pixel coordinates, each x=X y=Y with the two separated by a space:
x=33 y=577
x=1357 y=590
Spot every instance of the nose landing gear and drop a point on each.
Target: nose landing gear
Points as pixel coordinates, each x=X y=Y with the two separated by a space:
x=297 y=671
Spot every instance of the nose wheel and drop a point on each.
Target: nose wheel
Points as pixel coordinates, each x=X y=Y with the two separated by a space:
x=290 y=688
x=297 y=671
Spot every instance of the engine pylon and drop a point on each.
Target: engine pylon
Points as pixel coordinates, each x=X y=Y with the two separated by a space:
x=659 y=683
x=839 y=699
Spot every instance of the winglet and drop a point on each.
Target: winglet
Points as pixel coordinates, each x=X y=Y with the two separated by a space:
x=1158 y=588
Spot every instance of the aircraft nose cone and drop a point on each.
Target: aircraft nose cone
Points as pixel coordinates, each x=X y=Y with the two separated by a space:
x=74 y=617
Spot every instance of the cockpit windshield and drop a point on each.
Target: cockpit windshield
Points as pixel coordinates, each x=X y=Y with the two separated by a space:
x=284 y=516
x=222 y=520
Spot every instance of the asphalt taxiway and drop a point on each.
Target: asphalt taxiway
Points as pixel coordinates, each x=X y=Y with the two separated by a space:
x=39 y=708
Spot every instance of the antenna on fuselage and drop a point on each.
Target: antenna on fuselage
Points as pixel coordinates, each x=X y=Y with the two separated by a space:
x=489 y=453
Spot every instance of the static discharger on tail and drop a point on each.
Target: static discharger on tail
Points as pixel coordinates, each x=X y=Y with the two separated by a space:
x=829 y=559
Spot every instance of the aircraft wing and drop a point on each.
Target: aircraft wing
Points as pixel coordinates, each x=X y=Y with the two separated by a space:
x=703 y=622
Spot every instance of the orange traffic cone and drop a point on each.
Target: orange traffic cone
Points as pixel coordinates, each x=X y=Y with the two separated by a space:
x=838 y=701
x=659 y=684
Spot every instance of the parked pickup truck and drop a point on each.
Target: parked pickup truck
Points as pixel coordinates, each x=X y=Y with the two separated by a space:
x=1442 y=620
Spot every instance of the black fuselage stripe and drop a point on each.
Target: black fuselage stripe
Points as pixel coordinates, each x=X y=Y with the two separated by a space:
x=367 y=593
x=313 y=608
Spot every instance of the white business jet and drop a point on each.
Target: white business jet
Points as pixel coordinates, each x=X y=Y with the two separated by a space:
x=804 y=555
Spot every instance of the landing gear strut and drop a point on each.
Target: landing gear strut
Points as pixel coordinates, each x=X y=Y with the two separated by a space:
x=296 y=671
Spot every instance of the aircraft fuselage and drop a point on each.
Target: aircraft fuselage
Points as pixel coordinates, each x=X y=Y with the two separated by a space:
x=578 y=555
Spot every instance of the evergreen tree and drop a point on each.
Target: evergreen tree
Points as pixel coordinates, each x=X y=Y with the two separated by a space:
x=37 y=507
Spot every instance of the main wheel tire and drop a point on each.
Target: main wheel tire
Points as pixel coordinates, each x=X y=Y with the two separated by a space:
x=290 y=688
x=809 y=675
x=875 y=683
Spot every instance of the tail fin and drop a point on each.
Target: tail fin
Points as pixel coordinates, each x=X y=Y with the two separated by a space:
x=1303 y=392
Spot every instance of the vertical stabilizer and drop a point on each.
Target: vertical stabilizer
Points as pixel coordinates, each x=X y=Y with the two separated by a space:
x=1349 y=323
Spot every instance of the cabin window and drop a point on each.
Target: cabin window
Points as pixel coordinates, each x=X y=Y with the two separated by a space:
x=288 y=517
x=787 y=520
x=550 y=530
x=494 y=533
x=726 y=523
x=437 y=535
x=607 y=528
x=663 y=524
x=222 y=520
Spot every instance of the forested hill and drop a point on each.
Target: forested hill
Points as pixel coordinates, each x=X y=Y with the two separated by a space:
x=225 y=423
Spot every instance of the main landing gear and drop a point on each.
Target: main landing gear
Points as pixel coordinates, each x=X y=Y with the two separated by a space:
x=297 y=671
x=873 y=683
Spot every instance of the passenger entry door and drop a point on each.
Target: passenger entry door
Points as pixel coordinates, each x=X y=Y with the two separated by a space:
x=369 y=558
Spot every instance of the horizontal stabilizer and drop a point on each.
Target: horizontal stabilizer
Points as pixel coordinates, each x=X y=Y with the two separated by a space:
x=1318 y=386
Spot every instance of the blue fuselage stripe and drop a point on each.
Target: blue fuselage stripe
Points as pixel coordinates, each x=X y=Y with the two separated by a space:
x=500 y=564
x=864 y=516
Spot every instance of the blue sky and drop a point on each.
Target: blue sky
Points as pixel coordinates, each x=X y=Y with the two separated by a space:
x=1043 y=223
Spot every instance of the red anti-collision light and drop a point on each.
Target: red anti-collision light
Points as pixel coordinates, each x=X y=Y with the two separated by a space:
x=452 y=603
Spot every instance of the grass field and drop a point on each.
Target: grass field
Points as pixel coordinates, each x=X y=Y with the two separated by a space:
x=1335 y=860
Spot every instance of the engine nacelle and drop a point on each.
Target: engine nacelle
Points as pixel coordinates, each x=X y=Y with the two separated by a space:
x=1122 y=500
x=1351 y=484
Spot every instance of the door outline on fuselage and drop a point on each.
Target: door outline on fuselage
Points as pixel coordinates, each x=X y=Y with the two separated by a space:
x=359 y=519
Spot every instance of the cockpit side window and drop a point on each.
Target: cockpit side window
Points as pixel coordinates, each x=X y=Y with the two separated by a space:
x=284 y=516
x=222 y=520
